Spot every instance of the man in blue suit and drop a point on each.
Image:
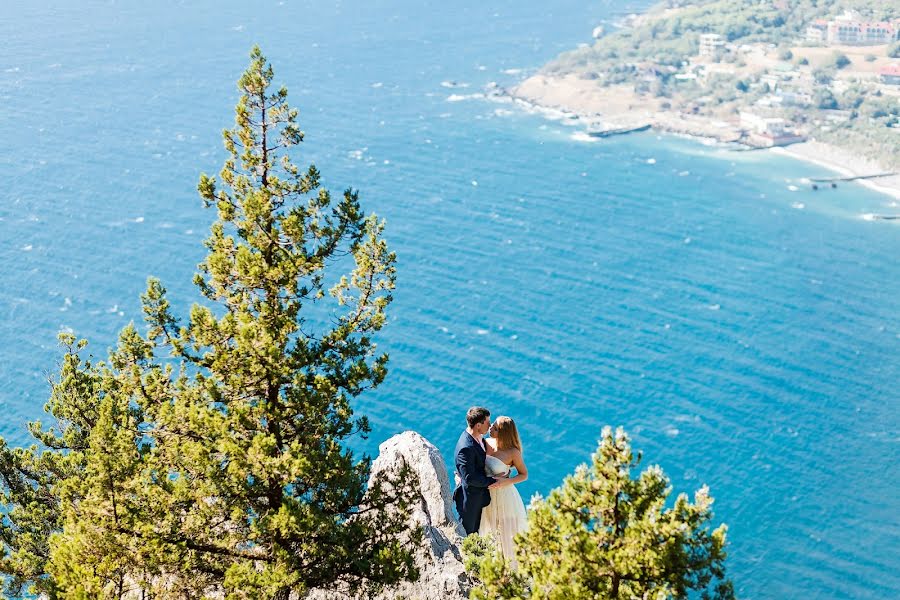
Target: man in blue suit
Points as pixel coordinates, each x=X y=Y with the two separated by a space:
x=471 y=493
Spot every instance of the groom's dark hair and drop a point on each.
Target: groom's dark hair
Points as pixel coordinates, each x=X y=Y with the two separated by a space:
x=476 y=415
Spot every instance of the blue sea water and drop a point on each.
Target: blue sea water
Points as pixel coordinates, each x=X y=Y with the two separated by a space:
x=745 y=334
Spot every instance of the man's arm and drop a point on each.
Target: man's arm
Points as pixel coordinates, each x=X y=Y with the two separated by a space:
x=465 y=464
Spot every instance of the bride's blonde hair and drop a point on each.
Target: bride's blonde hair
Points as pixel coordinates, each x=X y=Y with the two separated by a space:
x=507 y=434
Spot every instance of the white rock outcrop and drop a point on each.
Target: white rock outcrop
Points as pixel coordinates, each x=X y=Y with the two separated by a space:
x=439 y=560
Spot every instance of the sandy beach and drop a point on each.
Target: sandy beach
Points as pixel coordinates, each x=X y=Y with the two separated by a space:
x=845 y=163
x=619 y=106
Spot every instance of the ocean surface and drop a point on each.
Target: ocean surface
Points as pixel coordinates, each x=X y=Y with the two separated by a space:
x=743 y=328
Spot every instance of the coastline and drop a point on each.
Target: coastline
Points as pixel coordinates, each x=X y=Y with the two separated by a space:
x=586 y=102
x=841 y=161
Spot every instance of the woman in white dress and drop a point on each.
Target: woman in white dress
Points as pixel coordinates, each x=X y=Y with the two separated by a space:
x=505 y=516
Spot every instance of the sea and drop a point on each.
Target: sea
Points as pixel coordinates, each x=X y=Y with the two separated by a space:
x=740 y=326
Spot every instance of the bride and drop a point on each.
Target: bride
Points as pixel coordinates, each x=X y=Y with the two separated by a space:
x=505 y=516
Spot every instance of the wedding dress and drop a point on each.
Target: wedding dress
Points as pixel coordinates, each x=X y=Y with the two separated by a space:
x=505 y=516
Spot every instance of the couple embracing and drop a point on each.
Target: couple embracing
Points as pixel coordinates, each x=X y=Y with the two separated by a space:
x=486 y=497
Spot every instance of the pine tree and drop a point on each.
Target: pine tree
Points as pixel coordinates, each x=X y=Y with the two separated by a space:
x=213 y=455
x=604 y=535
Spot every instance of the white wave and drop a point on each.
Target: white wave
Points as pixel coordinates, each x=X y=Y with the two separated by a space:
x=377 y=84
x=454 y=84
x=580 y=136
x=671 y=431
x=687 y=419
x=66 y=329
x=114 y=309
x=651 y=161
x=27 y=248
x=793 y=188
x=798 y=205
x=139 y=220
x=512 y=71
x=357 y=154
x=714 y=306
x=237 y=28
x=502 y=112
x=461 y=97
x=688 y=240
x=684 y=173
x=481 y=331
x=474 y=183
x=868 y=217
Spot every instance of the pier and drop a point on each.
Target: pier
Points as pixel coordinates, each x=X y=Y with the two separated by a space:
x=609 y=132
x=849 y=178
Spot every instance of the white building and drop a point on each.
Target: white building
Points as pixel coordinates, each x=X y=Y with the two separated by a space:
x=850 y=29
x=772 y=127
x=711 y=45
x=815 y=35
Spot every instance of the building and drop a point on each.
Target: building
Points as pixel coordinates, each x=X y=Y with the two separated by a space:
x=711 y=45
x=770 y=79
x=770 y=126
x=849 y=29
x=816 y=32
x=814 y=35
x=768 y=131
x=801 y=99
x=890 y=74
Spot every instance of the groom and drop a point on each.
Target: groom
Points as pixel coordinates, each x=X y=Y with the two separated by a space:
x=471 y=493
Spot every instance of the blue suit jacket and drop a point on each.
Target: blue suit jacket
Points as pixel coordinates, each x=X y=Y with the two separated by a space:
x=471 y=495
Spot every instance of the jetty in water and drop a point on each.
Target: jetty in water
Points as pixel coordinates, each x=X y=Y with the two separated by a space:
x=849 y=178
x=611 y=131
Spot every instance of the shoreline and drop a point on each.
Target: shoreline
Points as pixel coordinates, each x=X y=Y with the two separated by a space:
x=829 y=157
x=585 y=102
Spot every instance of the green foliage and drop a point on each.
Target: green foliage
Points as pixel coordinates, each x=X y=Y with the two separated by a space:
x=825 y=99
x=485 y=563
x=823 y=76
x=893 y=50
x=840 y=60
x=606 y=535
x=212 y=455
